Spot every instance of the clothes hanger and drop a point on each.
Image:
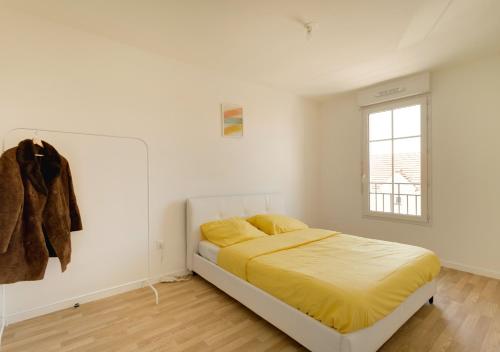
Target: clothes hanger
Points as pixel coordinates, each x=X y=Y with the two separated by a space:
x=38 y=141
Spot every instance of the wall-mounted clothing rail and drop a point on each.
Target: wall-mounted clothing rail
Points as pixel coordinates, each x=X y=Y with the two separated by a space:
x=146 y=280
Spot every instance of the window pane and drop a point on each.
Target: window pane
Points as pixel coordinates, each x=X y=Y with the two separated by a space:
x=419 y=205
x=380 y=125
x=373 y=204
x=381 y=162
x=381 y=197
x=380 y=202
x=401 y=204
x=407 y=205
x=387 y=203
x=409 y=188
x=381 y=176
x=412 y=205
x=407 y=121
x=407 y=176
x=407 y=161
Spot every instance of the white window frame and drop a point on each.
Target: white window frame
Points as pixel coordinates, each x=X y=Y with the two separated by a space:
x=424 y=101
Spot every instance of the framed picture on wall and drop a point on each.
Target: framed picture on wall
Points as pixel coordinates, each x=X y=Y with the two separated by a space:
x=232 y=120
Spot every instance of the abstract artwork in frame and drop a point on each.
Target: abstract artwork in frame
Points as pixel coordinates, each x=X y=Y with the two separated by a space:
x=232 y=120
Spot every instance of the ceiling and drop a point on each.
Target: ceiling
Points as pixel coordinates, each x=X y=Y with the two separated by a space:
x=354 y=43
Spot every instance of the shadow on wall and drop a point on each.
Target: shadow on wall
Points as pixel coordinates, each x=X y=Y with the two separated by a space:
x=172 y=233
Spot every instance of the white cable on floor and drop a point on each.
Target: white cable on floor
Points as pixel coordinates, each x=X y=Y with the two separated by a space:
x=172 y=279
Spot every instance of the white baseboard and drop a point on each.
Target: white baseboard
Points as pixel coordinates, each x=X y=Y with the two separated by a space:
x=471 y=269
x=89 y=297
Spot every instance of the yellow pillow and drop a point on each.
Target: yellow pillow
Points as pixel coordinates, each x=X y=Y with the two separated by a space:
x=273 y=224
x=226 y=232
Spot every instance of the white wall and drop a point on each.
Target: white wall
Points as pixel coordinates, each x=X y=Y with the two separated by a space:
x=465 y=169
x=114 y=238
x=2 y=312
x=56 y=77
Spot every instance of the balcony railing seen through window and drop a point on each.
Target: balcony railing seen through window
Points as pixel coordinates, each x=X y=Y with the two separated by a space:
x=397 y=198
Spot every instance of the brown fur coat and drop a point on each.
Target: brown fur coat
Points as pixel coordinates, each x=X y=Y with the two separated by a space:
x=38 y=210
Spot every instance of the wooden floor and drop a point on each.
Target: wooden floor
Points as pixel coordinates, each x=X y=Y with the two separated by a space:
x=195 y=316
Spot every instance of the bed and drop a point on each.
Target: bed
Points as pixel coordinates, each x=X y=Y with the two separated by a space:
x=202 y=259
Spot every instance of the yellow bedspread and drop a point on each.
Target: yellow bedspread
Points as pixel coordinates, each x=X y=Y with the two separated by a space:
x=344 y=281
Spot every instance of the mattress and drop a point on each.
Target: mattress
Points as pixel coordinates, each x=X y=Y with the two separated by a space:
x=345 y=282
x=208 y=251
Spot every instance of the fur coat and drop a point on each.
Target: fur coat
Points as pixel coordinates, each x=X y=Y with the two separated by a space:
x=38 y=210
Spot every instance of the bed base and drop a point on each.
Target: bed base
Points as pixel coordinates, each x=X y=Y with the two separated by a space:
x=301 y=327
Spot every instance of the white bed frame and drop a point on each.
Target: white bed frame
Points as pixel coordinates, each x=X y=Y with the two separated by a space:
x=304 y=329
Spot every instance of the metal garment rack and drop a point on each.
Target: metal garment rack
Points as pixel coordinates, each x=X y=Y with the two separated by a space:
x=146 y=146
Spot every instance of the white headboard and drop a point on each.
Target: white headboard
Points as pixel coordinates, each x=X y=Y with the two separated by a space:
x=205 y=209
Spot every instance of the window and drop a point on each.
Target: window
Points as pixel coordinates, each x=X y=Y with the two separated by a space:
x=395 y=160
